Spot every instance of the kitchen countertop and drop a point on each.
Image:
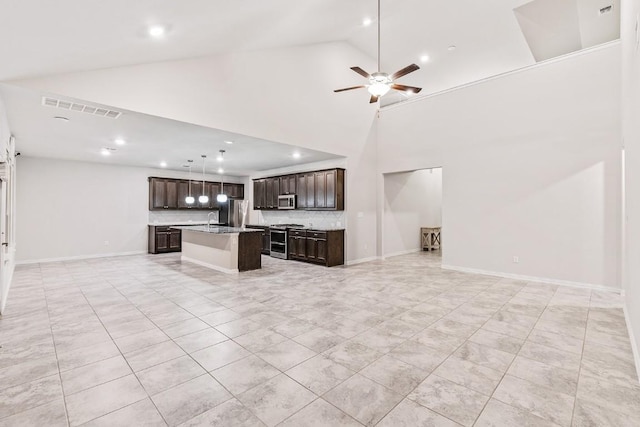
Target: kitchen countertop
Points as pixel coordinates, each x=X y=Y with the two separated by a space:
x=300 y=228
x=216 y=229
x=165 y=224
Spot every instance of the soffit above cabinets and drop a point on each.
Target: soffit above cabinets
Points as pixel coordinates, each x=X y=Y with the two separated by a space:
x=149 y=140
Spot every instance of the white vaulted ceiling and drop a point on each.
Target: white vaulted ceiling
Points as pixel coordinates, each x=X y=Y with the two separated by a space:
x=44 y=37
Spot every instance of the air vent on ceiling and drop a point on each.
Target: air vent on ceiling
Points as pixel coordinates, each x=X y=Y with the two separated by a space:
x=82 y=108
x=606 y=9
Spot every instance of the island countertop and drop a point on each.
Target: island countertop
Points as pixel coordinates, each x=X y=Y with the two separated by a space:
x=216 y=229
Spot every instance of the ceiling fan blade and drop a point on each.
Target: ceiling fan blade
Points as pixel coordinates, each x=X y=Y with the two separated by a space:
x=349 y=88
x=406 y=88
x=373 y=99
x=406 y=70
x=360 y=71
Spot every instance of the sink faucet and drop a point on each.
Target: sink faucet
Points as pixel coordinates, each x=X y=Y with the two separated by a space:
x=209 y=219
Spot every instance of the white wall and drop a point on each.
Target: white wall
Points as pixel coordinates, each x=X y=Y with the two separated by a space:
x=69 y=209
x=532 y=167
x=631 y=135
x=7 y=207
x=230 y=92
x=411 y=200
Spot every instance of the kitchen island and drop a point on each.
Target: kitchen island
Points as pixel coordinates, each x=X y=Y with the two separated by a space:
x=225 y=249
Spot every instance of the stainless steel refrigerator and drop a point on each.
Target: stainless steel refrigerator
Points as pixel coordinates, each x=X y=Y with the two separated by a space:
x=231 y=213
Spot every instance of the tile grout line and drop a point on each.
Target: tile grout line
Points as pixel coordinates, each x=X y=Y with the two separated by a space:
x=513 y=360
x=121 y=355
x=519 y=351
x=584 y=342
x=458 y=348
x=55 y=349
x=389 y=354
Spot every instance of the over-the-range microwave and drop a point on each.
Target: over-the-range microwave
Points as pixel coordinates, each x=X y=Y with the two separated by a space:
x=287 y=201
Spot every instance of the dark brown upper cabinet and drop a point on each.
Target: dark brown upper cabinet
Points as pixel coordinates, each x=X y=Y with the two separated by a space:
x=168 y=193
x=183 y=192
x=265 y=193
x=234 y=191
x=260 y=194
x=301 y=191
x=329 y=190
x=270 y=192
x=317 y=190
x=288 y=185
x=310 y=182
x=163 y=194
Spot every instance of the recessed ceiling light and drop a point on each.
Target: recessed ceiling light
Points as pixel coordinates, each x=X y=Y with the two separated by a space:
x=220 y=170
x=219 y=158
x=367 y=21
x=228 y=142
x=157 y=31
x=451 y=48
x=120 y=141
x=296 y=155
x=107 y=151
x=61 y=118
x=163 y=164
x=424 y=58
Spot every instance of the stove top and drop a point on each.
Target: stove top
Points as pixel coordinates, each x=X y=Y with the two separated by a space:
x=284 y=226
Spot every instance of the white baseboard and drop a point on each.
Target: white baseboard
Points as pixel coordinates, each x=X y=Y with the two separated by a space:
x=533 y=279
x=407 y=252
x=79 y=257
x=632 y=339
x=211 y=266
x=363 y=260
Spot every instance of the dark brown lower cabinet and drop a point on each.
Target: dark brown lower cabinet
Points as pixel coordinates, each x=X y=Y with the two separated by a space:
x=163 y=239
x=298 y=244
x=266 y=237
x=317 y=246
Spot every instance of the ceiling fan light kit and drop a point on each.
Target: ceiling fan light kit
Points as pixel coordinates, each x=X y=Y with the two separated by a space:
x=381 y=83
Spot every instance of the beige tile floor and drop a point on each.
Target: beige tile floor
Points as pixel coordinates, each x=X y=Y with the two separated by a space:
x=148 y=340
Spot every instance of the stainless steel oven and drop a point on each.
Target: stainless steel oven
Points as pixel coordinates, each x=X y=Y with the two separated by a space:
x=280 y=239
x=278 y=242
x=287 y=201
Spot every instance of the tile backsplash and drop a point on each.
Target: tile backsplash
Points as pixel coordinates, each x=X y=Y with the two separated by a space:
x=180 y=216
x=307 y=218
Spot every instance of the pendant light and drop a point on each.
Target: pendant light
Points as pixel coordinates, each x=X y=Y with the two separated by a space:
x=190 y=199
x=221 y=198
x=204 y=198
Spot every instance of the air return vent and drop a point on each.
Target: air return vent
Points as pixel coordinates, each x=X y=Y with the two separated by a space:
x=81 y=108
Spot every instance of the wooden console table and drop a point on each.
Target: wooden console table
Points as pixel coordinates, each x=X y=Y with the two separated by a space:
x=430 y=238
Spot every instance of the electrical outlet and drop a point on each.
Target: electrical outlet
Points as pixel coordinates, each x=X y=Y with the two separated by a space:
x=516 y=260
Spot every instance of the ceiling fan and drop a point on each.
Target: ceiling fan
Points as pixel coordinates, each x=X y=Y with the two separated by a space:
x=380 y=83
